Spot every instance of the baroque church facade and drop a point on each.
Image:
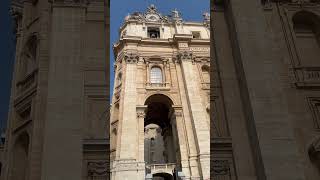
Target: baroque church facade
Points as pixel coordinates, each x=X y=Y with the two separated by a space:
x=264 y=93
x=57 y=122
x=160 y=121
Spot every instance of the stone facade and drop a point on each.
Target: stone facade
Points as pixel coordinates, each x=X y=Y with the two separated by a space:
x=57 y=127
x=265 y=89
x=162 y=80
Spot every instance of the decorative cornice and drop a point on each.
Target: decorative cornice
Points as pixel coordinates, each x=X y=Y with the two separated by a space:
x=98 y=168
x=151 y=15
x=72 y=3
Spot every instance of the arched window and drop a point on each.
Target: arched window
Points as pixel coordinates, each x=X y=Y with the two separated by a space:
x=306 y=26
x=29 y=55
x=156 y=75
x=205 y=73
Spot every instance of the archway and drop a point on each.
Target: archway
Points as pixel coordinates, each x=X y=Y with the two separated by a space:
x=162 y=176
x=160 y=136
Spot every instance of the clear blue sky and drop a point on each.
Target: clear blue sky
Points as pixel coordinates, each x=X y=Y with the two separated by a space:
x=191 y=10
x=6 y=59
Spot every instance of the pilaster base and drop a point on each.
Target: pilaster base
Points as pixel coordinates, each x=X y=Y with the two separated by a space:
x=128 y=170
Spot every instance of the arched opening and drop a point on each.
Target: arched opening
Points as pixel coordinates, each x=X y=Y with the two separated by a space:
x=205 y=73
x=306 y=26
x=160 y=135
x=162 y=176
x=29 y=55
x=20 y=157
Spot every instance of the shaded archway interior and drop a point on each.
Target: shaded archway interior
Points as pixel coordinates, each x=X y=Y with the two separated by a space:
x=158 y=110
x=159 y=134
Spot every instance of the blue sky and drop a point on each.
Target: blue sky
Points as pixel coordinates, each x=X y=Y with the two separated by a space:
x=7 y=58
x=191 y=10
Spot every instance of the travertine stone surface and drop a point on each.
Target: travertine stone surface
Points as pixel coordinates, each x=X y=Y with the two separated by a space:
x=155 y=85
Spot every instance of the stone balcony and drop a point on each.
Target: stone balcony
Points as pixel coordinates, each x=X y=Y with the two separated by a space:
x=158 y=86
x=167 y=168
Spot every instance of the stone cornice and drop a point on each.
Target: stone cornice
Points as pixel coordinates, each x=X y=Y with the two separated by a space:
x=69 y=3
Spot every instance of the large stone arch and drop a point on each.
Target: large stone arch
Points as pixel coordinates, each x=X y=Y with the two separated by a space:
x=164 y=94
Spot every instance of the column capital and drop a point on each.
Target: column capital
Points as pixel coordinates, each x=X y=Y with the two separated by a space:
x=177 y=111
x=130 y=57
x=141 y=111
x=185 y=55
x=141 y=114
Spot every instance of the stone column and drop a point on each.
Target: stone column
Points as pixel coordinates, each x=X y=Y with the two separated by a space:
x=140 y=118
x=127 y=165
x=148 y=73
x=180 y=130
x=197 y=112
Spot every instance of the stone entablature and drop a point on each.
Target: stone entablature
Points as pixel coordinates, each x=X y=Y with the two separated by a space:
x=138 y=24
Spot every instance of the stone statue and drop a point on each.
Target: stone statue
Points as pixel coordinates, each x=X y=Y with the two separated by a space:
x=206 y=16
x=175 y=13
x=127 y=17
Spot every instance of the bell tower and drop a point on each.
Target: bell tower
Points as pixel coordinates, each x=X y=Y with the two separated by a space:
x=160 y=125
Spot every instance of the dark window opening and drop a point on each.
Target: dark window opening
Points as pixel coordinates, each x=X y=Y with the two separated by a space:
x=153 y=32
x=196 y=35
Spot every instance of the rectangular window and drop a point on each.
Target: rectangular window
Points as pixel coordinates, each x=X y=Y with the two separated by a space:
x=153 y=32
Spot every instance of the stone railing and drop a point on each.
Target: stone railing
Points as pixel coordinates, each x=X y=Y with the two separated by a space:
x=157 y=85
x=161 y=168
x=307 y=77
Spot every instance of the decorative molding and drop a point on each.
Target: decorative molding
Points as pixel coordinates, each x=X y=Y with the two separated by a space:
x=221 y=168
x=131 y=57
x=301 y=76
x=98 y=168
x=151 y=15
x=307 y=77
x=141 y=114
x=314 y=150
x=314 y=104
x=185 y=56
x=128 y=165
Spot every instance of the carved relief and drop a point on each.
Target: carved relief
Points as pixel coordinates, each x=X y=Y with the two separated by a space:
x=131 y=57
x=305 y=68
x=314 y=104
x=221 y=167
x=185 y=56
x=98 y=168
x=141 y=114
x=151 y=15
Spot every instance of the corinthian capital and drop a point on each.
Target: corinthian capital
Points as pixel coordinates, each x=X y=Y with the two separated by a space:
x=131 y=57
x=141 y=114
x=185 y=56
